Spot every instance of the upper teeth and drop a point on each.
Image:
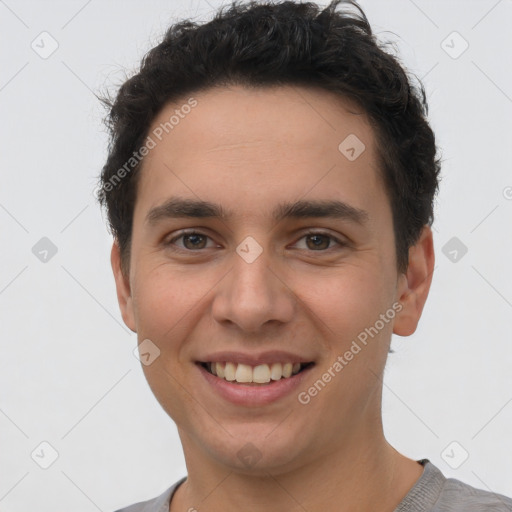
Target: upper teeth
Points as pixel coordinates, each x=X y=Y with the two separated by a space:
x=261 y=373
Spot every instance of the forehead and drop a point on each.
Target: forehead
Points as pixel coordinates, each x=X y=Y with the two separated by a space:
x=223 y=117
x=260 y=143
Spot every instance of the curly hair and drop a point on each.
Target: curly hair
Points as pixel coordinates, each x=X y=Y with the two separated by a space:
x=264 y=44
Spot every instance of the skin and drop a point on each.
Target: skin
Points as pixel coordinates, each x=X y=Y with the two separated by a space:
x=249 y=149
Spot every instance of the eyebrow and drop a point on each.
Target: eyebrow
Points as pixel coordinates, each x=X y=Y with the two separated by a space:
x=176 y=207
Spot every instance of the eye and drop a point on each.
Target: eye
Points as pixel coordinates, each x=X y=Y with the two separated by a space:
x=195 y=240
x=192 y=240
x=321 y=241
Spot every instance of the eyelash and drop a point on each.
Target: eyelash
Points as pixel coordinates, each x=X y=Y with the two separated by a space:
x=309 y=233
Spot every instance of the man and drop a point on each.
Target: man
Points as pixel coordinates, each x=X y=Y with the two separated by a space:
x=269 y=187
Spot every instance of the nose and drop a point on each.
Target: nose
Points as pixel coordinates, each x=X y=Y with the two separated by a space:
x=254 y=295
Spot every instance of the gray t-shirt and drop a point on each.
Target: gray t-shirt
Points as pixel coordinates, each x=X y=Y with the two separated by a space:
x=433 y=492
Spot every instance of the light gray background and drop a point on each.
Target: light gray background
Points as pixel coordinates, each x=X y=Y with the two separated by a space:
x=68 y=375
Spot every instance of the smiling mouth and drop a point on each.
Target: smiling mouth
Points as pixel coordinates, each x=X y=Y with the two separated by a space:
x=239 y=373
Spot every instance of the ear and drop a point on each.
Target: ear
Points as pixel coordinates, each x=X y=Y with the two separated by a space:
x=414 y=284
x=124 y=296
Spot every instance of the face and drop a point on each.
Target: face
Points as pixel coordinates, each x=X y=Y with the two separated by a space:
x=291 y=260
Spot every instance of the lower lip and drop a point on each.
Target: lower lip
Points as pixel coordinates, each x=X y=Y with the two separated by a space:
x=254 y=395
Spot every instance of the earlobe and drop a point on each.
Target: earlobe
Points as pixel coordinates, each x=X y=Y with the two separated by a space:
x=415 y=284
x=123 y=288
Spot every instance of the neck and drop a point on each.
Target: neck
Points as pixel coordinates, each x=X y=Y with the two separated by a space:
x=363 y=475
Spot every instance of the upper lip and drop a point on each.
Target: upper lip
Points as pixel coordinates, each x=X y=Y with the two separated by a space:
x=271 y=356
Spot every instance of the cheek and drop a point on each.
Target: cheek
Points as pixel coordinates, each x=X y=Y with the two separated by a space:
x=164 y=299
x=346 y=300
x=168 y=304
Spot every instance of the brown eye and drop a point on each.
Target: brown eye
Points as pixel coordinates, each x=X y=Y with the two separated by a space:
x=321 y=242
x=192 y=240
x=318 y=241
x=196 y=241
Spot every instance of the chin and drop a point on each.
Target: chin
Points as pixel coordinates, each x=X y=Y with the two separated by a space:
x=253 y=451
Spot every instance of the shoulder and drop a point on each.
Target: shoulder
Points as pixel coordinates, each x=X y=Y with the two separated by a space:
x=158 y=504
x=433 y=492
x=457 y=496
